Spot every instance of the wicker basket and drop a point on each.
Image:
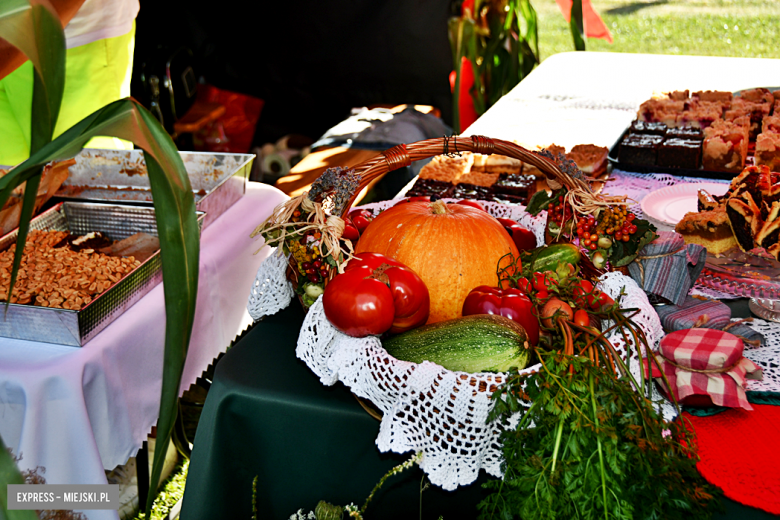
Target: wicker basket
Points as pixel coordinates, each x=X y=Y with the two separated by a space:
x=336 y=189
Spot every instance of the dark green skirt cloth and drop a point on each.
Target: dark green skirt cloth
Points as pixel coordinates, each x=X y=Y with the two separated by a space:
x=268 y=416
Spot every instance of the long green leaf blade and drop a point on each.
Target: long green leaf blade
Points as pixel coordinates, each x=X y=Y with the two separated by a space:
x=177 y=228
x=577 y=25
x=28 y=205
x=9 y=474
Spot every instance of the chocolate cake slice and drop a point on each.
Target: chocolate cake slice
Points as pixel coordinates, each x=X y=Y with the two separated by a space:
x=745 y=220
x=515 y=184
x=470 y=191
x=746 y=180
x=507 y=198
x=769 y=236
x=647 y=127
x=427 y=187
x=639 y=149
x=766 y=190
x=680 y=153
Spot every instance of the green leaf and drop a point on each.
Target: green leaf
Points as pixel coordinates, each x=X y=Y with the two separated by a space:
x=539 y=201
x=625 y=260
x=9 y=474
x=577 y=25
x=35 y=29
x=177 y=228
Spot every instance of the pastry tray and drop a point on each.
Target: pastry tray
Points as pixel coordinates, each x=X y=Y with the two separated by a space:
x=119 y=176
x=75 y=328
x=679 y=172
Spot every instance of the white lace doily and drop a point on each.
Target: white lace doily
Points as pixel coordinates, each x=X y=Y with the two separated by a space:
x=767 y=356
x=271 y=291
x=426 y=407
x=436 y=411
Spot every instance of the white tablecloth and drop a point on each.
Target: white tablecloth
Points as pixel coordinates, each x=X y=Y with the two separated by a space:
x=591 y=97
x=76 y=411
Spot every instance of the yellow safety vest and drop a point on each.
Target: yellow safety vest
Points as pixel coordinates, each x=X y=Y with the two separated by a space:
x=95 y=74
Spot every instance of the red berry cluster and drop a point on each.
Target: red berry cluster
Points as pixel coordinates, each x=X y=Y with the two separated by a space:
x=558 y=211
x=315 y=271
x=586 y=231
x=613 y=224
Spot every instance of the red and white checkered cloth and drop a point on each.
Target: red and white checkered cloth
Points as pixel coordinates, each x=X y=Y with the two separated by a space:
x=706 y=349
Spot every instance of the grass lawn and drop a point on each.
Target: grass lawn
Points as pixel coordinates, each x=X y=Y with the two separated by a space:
x=740 y=28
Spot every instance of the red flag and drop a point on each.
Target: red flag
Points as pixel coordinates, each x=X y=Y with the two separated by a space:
x=594 y=25
x=465 y=104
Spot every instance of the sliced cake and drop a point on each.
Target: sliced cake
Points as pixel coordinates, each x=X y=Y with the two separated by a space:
x=700 y=114
x=725 y=145
x=639 y=149
x=647 y=127
x=448 y=168
x=769 y=236
x=710 y=229
x=589 y=158
x=744 y=219
x=680 y=153
x=768 y=150
x=771 y=123
x=660 y=111
x=714 y=95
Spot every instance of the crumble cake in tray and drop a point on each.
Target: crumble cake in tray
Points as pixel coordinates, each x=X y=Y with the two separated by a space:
x=712 y=134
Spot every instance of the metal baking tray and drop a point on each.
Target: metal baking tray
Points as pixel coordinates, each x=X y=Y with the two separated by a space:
x=119 y=176
x=75 y=328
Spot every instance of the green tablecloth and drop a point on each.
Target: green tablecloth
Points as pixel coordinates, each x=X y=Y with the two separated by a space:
x=267 y=415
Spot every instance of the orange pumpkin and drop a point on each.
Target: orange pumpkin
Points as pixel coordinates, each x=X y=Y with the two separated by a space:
x=452 y=247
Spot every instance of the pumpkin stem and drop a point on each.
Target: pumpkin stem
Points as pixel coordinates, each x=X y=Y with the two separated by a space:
x=439 y=207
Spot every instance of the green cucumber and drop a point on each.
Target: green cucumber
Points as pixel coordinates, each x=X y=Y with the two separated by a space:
x=548 y=258
x=478 y=343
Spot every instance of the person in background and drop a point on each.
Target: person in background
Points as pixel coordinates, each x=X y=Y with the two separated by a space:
x=100 y=38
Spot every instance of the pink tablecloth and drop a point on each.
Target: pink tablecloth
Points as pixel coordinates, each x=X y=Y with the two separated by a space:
x=76 y=411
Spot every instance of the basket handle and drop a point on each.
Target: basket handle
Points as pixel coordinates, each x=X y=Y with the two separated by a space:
x=405 y=154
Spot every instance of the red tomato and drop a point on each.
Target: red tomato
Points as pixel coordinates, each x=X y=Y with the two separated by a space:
x=582 y=318
x=361 y=218
x=524 y=239
x=554 y=307
x=472 y=203
x=587 y=296
x=411 y=300
x=509 y=303
x=357 y=304
x=350 y=231
x=372 y=260
x=542 y=281
x=582 y=294
x=604 y=299
x=524 y=285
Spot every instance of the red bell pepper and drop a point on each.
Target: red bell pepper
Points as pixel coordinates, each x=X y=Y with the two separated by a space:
x=509 y=303
x=524 y=239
